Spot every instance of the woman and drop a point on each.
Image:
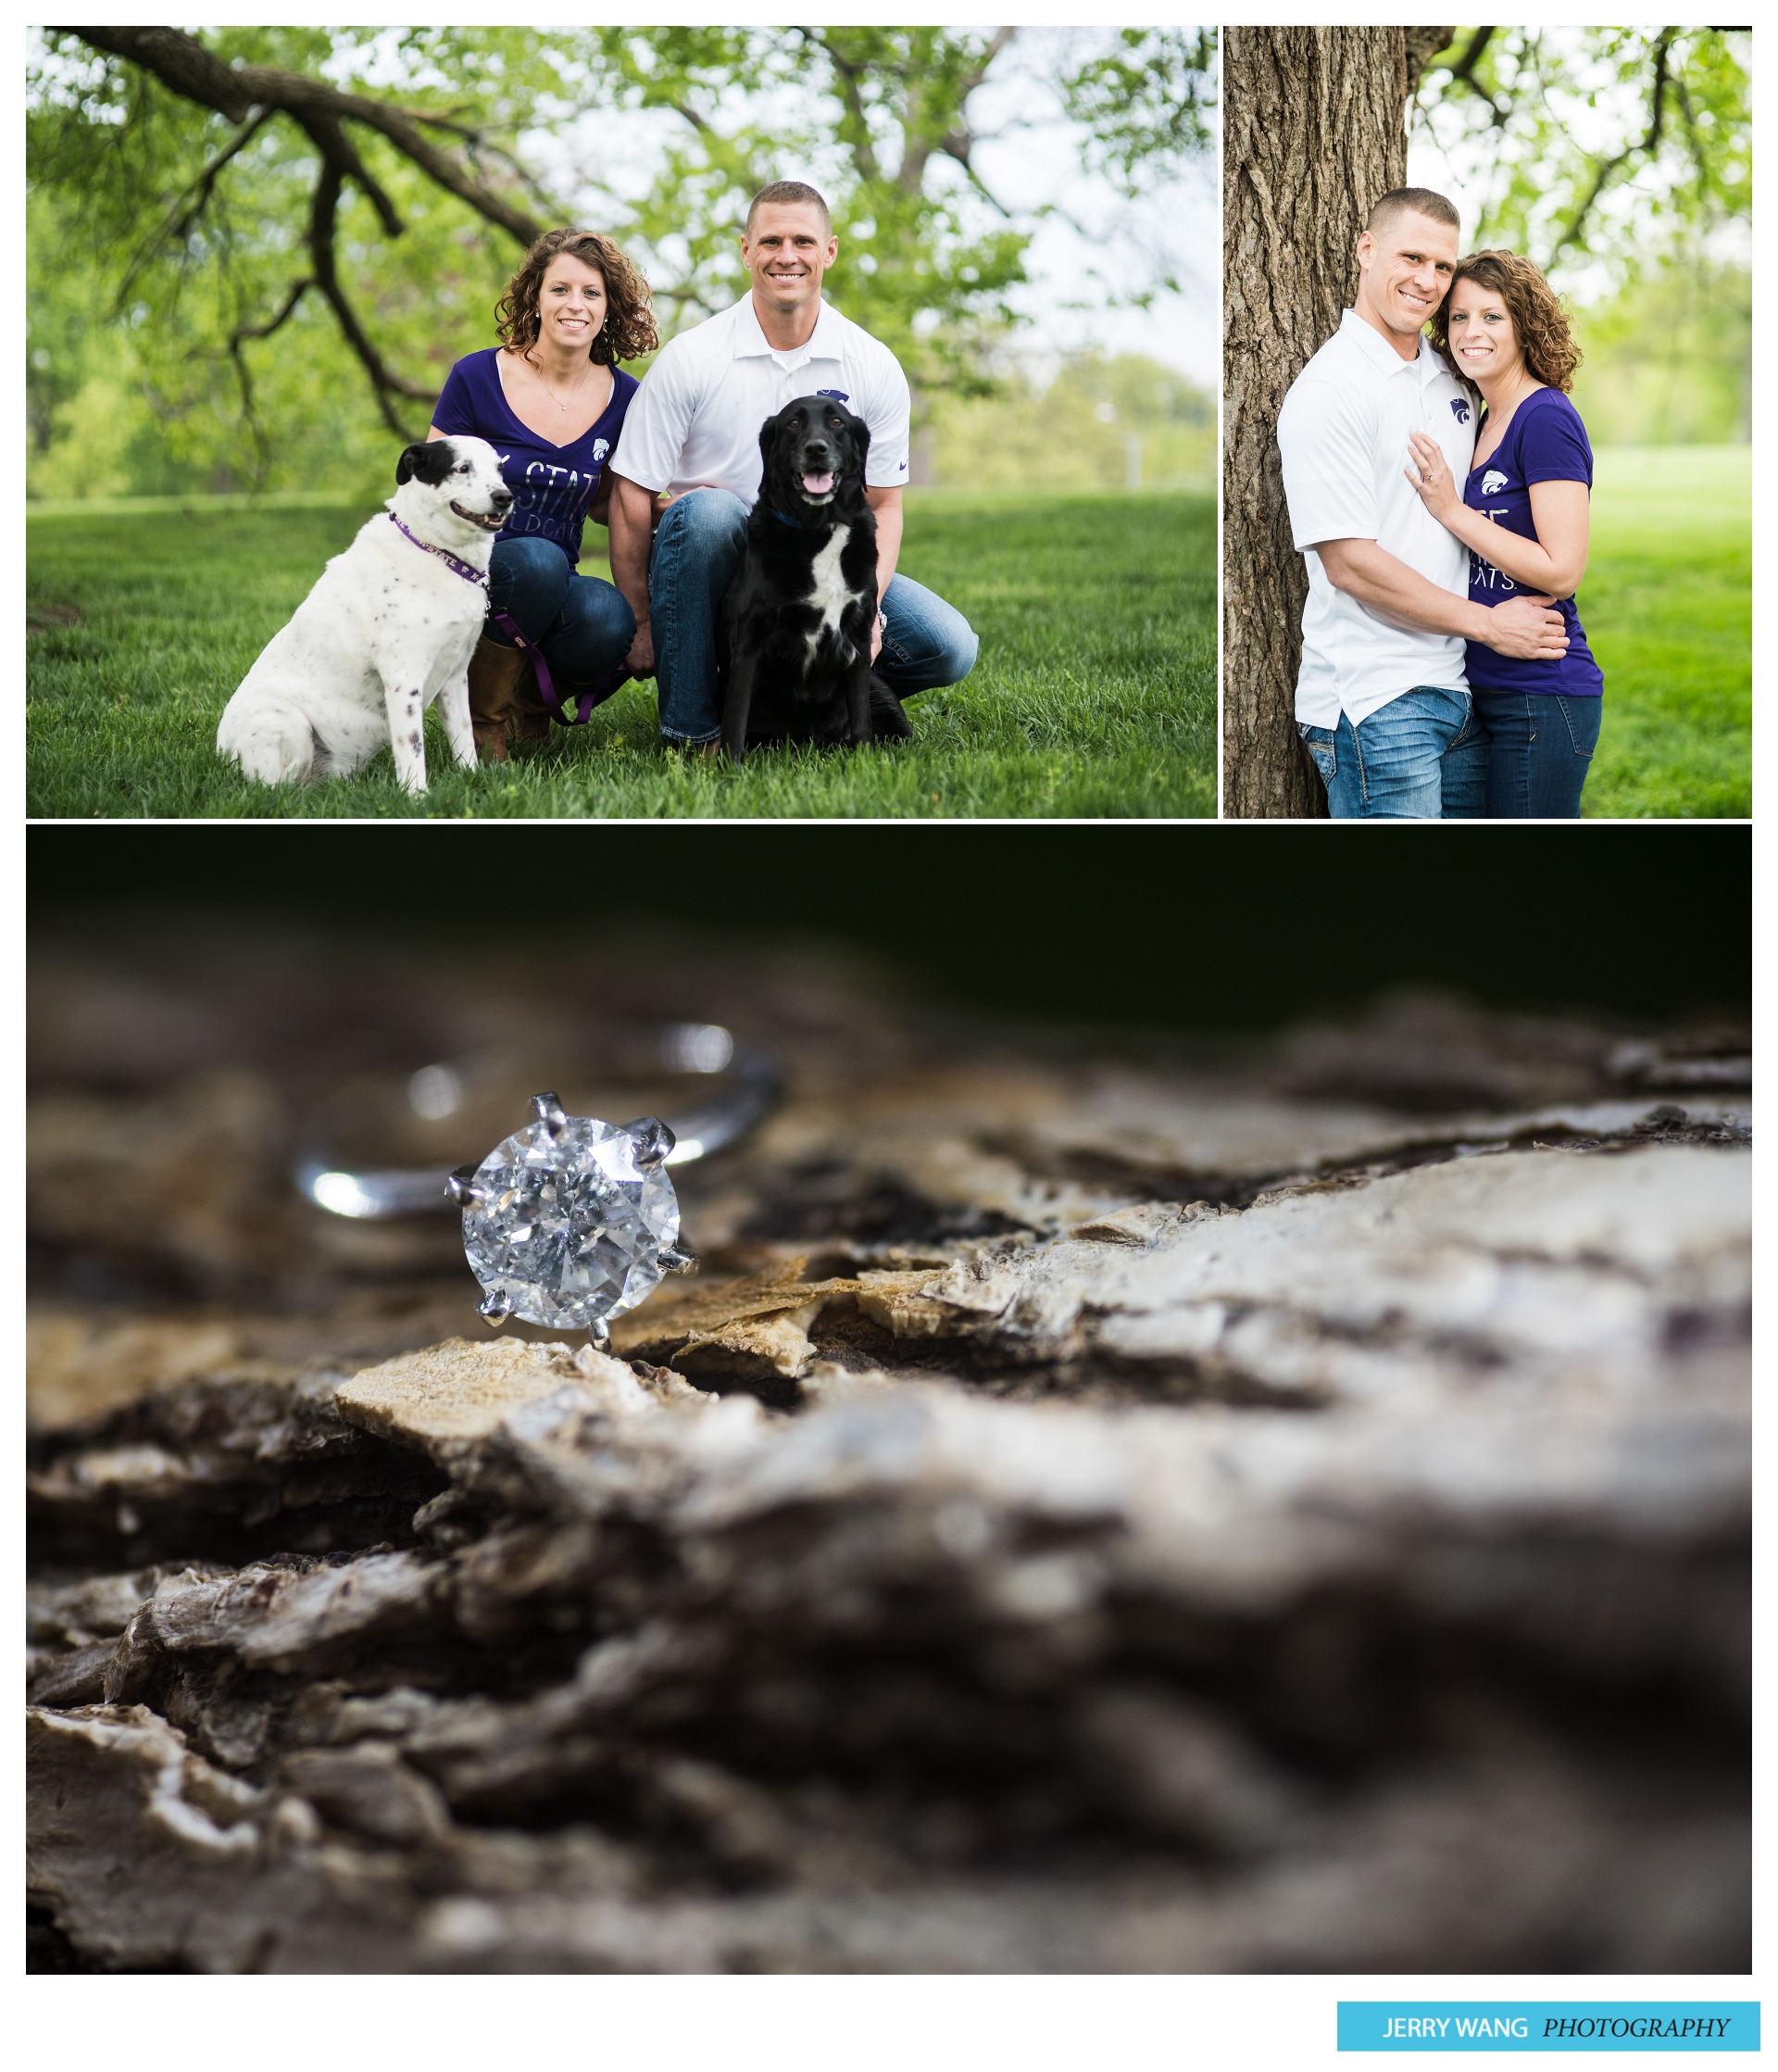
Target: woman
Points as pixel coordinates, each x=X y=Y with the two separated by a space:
x=1523 y=513
x=550 y=400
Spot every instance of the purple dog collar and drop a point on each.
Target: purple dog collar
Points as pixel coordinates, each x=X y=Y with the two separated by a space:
x=450 y=560
x=546 y=684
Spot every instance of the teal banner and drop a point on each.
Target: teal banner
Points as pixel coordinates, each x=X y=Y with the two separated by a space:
x=1549 y=2025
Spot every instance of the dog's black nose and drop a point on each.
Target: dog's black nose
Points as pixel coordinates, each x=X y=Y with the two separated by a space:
x=501 y=499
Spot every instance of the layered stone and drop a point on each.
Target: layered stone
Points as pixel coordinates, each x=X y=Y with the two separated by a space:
x=569 y=1224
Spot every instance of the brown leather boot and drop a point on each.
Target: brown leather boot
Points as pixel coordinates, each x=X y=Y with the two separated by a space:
x=528 y=718
x=498 y=707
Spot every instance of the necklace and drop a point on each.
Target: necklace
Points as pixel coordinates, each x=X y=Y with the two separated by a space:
x=556 y=399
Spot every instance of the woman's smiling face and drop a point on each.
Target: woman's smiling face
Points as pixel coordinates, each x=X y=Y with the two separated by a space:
x=1480 y=328
x=571 y=304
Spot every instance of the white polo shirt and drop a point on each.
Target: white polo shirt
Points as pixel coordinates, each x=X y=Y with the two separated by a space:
x=1343 y=432
x=697 y=417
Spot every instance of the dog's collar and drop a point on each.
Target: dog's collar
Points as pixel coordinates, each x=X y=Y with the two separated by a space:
x=450 y=560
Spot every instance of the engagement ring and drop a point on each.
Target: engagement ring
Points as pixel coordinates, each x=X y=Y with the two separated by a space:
x=571 y=1220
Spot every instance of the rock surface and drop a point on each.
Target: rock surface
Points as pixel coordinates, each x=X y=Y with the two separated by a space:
x=1279 y=1509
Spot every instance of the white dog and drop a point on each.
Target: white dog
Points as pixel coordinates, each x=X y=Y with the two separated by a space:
x=390 y=626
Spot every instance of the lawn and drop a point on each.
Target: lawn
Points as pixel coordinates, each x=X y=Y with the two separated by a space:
x=1094 y=693
x=1666 y=605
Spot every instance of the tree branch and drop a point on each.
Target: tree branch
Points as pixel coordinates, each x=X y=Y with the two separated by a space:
x=1463 y=74
x=238 y=337
x=330 y=140
x=1419 y=46
x=864 y=156
x=322 y=222
x=183 y=65
x=298 y=289
x=1656 y=116
x=186 y=221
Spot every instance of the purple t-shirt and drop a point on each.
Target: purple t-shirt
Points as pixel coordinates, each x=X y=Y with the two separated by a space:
x=551 y=485
x=1545 y=442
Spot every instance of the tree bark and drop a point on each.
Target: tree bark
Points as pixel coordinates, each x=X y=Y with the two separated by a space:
x=1315 y=131
x=1282 y=1512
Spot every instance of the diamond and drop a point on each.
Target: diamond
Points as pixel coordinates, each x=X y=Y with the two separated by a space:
x=566 y=1221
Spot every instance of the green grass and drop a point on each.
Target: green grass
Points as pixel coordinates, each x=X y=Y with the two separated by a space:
x=1094 y=694
x=1666 y=605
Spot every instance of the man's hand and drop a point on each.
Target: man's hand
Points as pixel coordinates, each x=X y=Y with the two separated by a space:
x=1527 y=629
x=640 y=660
x=876 y=635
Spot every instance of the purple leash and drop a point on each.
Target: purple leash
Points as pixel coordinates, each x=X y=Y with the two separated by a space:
x=546 y=684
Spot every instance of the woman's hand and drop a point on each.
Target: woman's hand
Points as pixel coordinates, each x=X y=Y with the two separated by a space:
x=1430 y=475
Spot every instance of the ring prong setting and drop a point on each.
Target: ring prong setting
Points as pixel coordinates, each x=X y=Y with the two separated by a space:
x=676 y=1259
x=654 y=1141
x=465 y=1190
x=549 y=1111
x=496 y=1307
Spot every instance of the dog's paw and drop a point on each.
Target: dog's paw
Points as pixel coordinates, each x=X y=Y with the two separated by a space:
x=888 y=721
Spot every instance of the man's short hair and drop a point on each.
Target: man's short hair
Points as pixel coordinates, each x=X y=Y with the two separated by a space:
x=1422 y=200
x=789 y=194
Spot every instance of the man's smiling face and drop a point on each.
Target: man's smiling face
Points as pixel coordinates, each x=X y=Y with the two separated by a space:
x=1404 y=268
x=787 y=250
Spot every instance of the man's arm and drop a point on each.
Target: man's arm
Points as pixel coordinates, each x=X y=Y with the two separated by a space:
x=887 y=503
x=1526 y=628
x=633 y=533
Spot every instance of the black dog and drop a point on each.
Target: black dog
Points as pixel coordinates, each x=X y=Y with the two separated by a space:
x=792 y=635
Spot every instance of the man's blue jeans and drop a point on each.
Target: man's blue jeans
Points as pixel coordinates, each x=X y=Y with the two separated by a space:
x=582 y=626
x=1543 y=749
x=697 y=548
x=1423 y=756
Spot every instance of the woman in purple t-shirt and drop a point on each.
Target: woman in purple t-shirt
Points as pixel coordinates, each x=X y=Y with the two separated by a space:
x=1523 y=514
x=550 y=402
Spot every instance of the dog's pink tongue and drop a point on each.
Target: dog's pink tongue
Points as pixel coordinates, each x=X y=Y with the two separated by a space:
x=817 y=485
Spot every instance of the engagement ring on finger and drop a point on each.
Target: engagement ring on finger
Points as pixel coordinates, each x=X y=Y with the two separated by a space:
x=571 y=1221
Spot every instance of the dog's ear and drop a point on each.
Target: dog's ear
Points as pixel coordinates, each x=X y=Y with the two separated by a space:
x=861 y=432
x=429 y=464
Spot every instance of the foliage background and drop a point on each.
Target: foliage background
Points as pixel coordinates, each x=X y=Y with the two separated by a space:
x=1621 y=161
x=657 y=134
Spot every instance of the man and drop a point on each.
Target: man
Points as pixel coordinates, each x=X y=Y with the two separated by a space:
x=692 y=431
x=1382 y=701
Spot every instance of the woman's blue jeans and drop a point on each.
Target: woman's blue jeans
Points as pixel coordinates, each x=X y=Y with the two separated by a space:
x=697 y=548
x=1423 y=756
x=1543 y=749
x=582 y=626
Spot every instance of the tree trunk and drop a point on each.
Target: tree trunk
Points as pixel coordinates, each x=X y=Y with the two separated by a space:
x=1315 y=132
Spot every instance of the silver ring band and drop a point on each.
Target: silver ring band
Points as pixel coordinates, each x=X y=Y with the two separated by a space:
x=754 y=1082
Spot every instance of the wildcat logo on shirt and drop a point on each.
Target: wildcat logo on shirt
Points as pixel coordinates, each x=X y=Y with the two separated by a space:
x=1494 y=479
x=836 y=394
x=1459 y=409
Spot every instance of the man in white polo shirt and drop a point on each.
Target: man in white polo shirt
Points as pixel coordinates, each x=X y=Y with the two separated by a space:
x=1382 y=701
x=692 y=431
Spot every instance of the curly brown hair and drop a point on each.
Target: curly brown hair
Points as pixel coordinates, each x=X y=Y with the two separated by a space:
x=1539 y=322
x=628 y=331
